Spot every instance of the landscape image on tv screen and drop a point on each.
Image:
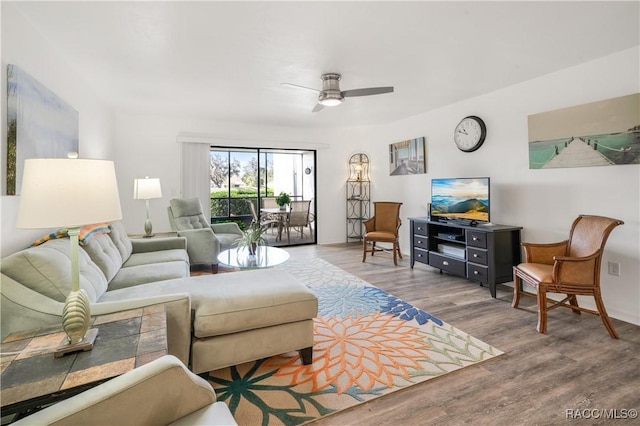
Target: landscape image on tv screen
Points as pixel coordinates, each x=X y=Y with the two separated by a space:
x=460 y=199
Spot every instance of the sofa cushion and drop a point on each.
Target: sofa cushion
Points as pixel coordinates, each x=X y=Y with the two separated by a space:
x=121 y=240
x=133 y=276
x=160 y=256
x=104 y=253
x=46 y=269
x=230 y=303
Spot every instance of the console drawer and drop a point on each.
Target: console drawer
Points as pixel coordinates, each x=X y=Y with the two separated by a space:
x=477 y=239
x=477 y=255
x=477 y=273
x=447 y=264
x=421 y=256
x=420 y=228
x=420 y=241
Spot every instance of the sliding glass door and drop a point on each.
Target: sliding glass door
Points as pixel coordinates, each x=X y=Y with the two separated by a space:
x=239 y=176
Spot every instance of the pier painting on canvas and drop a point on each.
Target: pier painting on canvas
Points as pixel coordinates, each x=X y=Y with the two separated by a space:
x=603 y=133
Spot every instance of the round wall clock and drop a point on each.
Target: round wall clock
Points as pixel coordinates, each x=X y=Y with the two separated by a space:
x=470 y=133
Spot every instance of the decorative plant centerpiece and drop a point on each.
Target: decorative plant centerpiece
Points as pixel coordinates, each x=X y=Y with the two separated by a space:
x=282 y=200
x=252 y=237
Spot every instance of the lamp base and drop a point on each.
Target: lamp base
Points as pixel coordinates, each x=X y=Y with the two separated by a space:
x=148 y=228
x=85 y=345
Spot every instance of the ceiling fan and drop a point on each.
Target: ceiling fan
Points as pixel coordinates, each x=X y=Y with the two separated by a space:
x=331 y=95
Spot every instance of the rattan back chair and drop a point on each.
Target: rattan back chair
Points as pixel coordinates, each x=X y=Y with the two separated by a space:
x=570 y=267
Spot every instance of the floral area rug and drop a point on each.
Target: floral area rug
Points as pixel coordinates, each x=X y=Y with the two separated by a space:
x=367 y=343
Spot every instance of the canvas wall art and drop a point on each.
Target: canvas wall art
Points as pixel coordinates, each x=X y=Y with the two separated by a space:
x=603 y=133
x=40 y=125
x=407 y=157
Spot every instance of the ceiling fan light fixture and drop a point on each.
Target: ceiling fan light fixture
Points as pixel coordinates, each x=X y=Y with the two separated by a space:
x=329 y=102
x=331 y=95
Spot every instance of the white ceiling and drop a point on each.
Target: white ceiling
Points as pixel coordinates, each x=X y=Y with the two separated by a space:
x=227 y=60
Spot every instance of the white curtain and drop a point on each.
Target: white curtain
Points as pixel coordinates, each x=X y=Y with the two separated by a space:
x=195 y=174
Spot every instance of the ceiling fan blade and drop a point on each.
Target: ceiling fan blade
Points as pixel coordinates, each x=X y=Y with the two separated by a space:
x=300 y=87
x=317 y=108
x=366 y=92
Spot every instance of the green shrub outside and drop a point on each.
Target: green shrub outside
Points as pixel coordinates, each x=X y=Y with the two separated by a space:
x=241 y=193
x=221 y=206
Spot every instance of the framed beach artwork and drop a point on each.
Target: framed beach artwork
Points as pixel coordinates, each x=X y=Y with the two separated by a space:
x=604 y=133
x=407 y=157
x=40 y=125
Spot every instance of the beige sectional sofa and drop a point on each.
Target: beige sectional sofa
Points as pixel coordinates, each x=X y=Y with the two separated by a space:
x=213 y=321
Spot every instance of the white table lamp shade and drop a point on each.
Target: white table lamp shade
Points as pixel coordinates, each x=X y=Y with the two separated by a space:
x=70 y=193
x=147 y=189
x=61 y=192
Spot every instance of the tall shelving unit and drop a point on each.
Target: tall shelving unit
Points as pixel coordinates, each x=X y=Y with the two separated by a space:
x=358 y=196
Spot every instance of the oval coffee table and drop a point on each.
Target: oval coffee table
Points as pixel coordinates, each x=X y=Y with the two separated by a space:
x=265 y=257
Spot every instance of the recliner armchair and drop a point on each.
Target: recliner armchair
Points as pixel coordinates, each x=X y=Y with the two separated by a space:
x=161 y=392
x=204 y=241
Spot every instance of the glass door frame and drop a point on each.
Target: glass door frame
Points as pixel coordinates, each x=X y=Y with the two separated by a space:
x=305 y=173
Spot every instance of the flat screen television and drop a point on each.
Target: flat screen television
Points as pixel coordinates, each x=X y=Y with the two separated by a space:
x=464 y=200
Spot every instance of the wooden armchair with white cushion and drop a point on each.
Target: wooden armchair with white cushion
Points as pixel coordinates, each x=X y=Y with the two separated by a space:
x=570 y=267
x=162 y=392
x=383 y=227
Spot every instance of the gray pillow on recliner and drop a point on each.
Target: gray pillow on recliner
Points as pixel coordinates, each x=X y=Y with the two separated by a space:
x=188 y=214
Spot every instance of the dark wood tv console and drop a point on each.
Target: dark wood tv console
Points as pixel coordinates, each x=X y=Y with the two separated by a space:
x=482 y=253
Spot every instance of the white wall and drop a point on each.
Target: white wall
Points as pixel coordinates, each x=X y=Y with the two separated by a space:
x=544 y=202
x=147 y=146
x=22 y=45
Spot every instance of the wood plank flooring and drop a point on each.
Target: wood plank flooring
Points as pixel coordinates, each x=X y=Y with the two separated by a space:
x=575 y=366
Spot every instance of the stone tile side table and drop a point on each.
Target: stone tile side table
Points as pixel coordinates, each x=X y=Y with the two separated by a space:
x=32 y=377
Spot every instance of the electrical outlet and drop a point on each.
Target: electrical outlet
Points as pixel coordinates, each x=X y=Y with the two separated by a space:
x=614 y=268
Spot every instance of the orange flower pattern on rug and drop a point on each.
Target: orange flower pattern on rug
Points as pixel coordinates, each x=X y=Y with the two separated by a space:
x=367 y=343
x=363 y=352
